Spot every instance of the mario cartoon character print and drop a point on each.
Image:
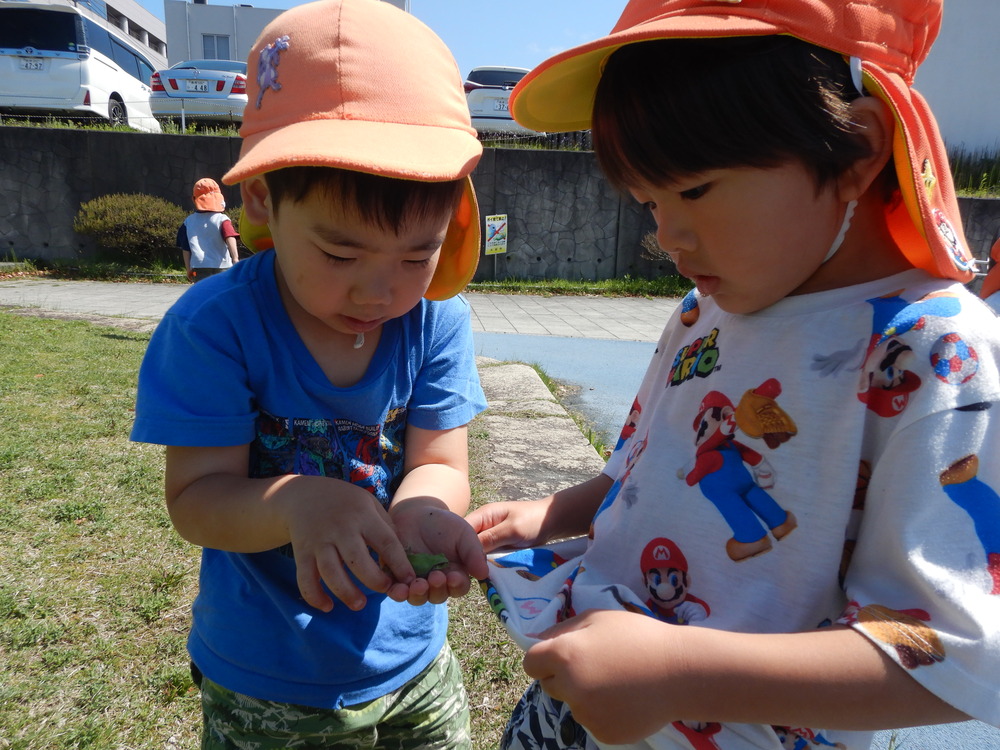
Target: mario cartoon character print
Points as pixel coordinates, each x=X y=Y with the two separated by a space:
x=854 y=524
x=802 y=738
x=667 y=580
x=960 y=482
x=530 y=564
x=637 y=449
x=733 y=476
x=629 y=429
x=915 y=643
x=517 y=602
x=701 y=734
x=887 y=377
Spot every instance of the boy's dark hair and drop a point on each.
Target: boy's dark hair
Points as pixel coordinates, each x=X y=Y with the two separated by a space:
x=387 y=202
x=664 y=109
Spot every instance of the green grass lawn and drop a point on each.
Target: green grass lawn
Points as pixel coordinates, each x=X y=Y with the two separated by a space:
x=95 y=585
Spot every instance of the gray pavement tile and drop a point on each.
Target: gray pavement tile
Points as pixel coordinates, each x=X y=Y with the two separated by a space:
x=588 y=317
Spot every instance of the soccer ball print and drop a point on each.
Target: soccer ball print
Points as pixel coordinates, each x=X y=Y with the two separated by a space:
x=953 y=360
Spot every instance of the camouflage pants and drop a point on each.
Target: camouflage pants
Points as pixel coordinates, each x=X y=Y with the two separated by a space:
x=430 y=711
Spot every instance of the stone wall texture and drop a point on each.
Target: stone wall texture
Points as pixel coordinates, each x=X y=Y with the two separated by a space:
x=564 y=220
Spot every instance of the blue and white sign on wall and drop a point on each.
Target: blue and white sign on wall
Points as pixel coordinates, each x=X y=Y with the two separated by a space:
x=496 y=234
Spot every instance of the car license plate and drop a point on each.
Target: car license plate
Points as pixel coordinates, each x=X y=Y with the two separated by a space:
x=32 y=64
x=500 y=105
x=196 y=87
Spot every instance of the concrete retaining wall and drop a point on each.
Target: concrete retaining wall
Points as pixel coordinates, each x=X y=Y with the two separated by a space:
x=564 y=220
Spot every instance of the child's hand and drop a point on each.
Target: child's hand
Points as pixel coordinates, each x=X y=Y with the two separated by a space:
x=446 y=542
x=508 y=524
x=609 y=667
x=332 y=536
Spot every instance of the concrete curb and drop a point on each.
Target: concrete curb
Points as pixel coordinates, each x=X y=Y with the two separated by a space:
x=537 y=447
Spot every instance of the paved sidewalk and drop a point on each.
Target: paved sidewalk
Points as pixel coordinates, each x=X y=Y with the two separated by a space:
x=523 y=414
x=622 y=318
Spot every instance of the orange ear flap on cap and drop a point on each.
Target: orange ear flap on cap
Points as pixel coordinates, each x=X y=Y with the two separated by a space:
x=460 y=251
x=255 y=236
x=926 y=223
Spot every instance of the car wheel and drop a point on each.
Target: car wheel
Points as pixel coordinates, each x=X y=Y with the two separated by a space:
x=116 y=112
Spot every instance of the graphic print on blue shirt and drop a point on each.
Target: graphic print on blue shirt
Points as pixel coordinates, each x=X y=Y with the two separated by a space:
x=369 y=456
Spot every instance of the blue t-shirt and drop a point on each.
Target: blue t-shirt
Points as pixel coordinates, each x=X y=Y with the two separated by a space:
x=226 y=367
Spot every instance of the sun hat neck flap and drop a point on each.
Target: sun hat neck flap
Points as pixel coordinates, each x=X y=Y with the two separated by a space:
x=890 y=37
x=207 y=195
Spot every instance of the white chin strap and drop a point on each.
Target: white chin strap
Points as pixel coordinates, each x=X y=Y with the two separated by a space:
x=839 y=239
x=856 y=77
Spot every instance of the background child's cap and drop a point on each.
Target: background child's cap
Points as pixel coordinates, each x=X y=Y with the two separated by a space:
x=208 y=195
x=364 y=86
x=890 y=38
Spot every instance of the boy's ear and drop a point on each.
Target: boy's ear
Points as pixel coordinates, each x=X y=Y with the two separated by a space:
x=256 y=199
x=874 y=124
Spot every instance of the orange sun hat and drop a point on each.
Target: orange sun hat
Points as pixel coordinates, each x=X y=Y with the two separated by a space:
x=890 y=38
x=207 y=195
x=364 y=86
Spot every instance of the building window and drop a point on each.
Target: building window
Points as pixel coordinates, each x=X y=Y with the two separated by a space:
x=216 y=46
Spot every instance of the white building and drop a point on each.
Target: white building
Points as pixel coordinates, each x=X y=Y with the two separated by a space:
x=198 y=30
x=133 y=19
x=961 y=77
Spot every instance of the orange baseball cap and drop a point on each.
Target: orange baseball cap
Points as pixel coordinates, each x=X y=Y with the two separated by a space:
x=208 y=195
x=890 y=38
x=364 y=86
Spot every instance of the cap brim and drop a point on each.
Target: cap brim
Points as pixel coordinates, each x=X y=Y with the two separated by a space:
x=558 y=95
x=459 y=252
x=403 y=151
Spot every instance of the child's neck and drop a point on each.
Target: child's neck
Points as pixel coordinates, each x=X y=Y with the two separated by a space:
x=342 y=361
x=868 y=253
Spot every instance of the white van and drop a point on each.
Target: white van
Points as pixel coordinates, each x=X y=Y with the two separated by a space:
x=65 y=60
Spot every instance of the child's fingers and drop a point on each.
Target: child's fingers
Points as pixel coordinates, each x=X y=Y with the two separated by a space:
x=419 y=592
x=471 y=556
x=310 y=585
x=331 y=569
x=398 y=592
x=459 y=583
x=488 y=522
x=371 y=572
x=391 y=554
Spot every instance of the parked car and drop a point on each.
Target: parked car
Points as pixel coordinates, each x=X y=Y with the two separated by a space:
x=487 y=90
x=201 y=91
x=60 y=60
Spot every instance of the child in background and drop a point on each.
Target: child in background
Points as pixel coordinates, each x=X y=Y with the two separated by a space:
x=316 y=431
x=799 y=542
x=207 y=238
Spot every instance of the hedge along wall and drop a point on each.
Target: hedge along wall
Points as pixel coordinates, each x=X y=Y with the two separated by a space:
x=563 y=220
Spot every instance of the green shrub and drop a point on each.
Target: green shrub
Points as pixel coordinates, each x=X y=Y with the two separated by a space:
x=132 y=228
